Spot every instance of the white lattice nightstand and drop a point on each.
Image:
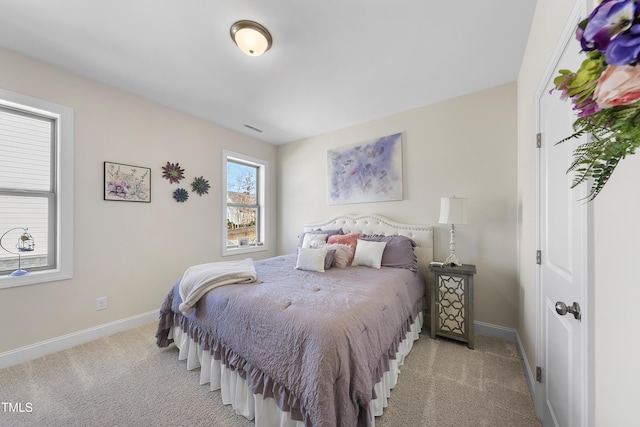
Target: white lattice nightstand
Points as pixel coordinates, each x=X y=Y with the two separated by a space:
x=452 y=302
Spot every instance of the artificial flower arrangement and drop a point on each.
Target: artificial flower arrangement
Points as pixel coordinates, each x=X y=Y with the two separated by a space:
x=605 y=91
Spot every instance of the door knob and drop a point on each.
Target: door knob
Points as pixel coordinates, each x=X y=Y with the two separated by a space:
x=562 y=309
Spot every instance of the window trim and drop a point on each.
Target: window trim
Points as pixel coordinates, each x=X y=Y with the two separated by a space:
x=64 y=187
x=261 y=194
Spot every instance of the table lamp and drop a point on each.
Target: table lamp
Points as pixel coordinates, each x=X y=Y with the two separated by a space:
x=453 y=210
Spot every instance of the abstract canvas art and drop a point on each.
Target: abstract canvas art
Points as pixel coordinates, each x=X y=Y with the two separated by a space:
x=370 y=171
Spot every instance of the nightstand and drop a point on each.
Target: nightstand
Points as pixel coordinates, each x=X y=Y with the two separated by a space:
x=452 y=302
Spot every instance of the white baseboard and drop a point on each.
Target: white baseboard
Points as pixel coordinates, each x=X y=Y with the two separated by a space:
x=495 y=331
x=19 y=355
x=527 y=368
x=509 y=335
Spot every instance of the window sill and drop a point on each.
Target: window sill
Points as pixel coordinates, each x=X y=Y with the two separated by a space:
x=36 y=277
x=236 y=250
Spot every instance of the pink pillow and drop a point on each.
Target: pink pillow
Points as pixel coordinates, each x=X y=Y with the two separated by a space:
x=346 y=239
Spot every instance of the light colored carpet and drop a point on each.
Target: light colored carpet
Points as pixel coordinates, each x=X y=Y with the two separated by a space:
x=125 y=380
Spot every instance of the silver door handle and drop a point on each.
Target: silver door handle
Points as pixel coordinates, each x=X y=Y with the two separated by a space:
x=562 y=309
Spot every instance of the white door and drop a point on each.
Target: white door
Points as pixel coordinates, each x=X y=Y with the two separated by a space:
x=564 y=239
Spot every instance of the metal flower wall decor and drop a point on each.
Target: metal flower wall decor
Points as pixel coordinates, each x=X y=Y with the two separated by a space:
x=605 y=91
x=200 y=186
x=173 y=172
x=181 y=195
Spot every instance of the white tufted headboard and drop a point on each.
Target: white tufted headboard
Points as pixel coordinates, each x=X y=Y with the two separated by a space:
x=377 y=224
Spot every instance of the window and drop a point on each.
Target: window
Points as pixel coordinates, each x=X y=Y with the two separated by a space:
x=36 y=182
x=243 y=204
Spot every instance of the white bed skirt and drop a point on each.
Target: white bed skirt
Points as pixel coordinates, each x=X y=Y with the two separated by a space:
x=265 y=412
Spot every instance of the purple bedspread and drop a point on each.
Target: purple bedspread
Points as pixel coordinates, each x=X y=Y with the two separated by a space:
x=315 y=342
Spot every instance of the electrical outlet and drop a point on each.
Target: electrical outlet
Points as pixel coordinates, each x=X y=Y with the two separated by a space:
x=101 y=303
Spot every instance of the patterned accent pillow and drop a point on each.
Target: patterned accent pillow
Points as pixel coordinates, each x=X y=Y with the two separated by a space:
x=342 y=254
x=318 y=231
x=314 y=240
x=346 y=239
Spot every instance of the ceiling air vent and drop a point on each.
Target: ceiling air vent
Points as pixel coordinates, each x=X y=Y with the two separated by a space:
x=253 y=128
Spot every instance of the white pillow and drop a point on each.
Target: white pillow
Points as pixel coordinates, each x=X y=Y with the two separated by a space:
x=313 y=240
x=369 y=254
x=311 y=259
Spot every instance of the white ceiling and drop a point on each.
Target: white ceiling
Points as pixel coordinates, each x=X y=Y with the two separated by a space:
x=333 y=63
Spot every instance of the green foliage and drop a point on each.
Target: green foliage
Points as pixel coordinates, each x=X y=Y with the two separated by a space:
x=614 y=134
x=579 y=86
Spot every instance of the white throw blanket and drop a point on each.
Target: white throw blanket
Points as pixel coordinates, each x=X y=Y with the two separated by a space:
x=200 y=279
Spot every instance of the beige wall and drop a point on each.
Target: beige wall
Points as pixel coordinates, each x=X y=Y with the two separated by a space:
x=465 y=147
x=617 y=292
x=131 y=253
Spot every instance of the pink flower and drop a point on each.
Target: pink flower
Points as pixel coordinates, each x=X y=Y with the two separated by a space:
x=618 y=85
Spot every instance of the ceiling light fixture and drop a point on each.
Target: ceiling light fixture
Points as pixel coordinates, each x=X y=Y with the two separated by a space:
x=251 y=37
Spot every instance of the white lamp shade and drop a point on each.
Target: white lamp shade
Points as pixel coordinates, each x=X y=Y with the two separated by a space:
x=453 y=210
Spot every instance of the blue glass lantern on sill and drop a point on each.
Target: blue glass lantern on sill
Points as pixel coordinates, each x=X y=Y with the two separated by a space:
x=25 y=244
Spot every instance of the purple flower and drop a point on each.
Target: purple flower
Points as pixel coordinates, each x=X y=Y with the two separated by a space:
x=610 y=18
x=118 y=188
x=587 y=107
x=624 y=49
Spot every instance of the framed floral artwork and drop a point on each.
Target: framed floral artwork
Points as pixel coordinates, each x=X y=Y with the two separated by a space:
x=127 y=183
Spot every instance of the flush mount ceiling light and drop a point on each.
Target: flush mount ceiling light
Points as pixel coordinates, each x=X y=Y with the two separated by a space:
x=251 y=37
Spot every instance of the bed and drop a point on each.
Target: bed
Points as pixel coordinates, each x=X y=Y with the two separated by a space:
x=306 y=347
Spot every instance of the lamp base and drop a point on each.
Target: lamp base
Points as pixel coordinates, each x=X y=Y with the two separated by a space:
x=19 y=272
x=452 y=259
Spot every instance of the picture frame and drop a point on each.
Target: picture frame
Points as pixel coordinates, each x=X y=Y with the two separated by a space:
x=370 y=171
x=127 y=183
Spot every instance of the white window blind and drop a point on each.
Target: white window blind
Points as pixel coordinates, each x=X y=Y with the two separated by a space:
x=25 y=144
x=27 y=187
